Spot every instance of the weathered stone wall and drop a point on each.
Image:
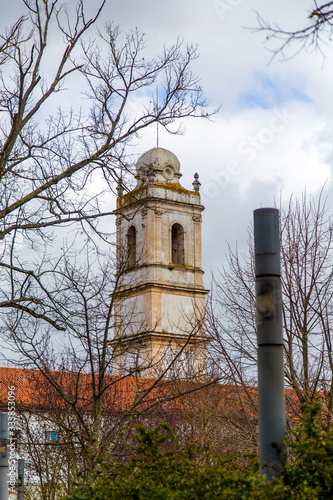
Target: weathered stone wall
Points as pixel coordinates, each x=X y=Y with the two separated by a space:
x=160 y=302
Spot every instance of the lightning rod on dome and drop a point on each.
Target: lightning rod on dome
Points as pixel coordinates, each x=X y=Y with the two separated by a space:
x=157 y=119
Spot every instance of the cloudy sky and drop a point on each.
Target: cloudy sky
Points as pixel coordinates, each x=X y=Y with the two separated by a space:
x=272 y=135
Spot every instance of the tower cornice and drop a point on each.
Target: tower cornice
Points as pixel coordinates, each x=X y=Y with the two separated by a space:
x=133 y=290
x=145 y=193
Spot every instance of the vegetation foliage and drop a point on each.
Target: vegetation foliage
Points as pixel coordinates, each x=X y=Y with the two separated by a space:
x=160 y=471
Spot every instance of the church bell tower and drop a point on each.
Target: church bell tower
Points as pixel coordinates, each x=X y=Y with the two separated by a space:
x=160 y=302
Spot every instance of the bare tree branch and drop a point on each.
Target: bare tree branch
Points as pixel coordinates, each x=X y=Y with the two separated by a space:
x=314 y=35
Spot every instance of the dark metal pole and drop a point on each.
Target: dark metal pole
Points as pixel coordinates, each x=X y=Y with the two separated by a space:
x=3 y=456
x=20 y=488
x=272 y=420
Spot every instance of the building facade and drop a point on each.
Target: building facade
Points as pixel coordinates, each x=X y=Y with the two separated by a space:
x=160 y=303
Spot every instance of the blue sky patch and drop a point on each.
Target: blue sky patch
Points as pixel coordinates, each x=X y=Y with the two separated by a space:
x=268 y=93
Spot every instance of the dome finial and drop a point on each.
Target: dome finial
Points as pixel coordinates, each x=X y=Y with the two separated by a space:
x=196 y=184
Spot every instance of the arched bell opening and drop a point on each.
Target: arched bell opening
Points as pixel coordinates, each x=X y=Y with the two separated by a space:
x=177 y=244
x=131 y=246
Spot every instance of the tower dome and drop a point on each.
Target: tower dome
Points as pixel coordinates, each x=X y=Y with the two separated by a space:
x=161 y=163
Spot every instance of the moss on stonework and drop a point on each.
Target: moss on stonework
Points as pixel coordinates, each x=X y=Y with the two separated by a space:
x=132 y=196
x=174 y=187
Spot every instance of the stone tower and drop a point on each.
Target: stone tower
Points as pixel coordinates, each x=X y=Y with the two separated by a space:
x=160 y=303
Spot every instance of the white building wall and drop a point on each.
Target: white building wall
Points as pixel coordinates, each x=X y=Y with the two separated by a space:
x=178 y=314
x=132 y=314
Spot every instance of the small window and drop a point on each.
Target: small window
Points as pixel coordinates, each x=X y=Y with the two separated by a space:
x=131 y=246
x=177 y=244
x=51 y=436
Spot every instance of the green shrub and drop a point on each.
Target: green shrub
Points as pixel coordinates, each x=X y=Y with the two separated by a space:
x=170 y=474
x=310 y=458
